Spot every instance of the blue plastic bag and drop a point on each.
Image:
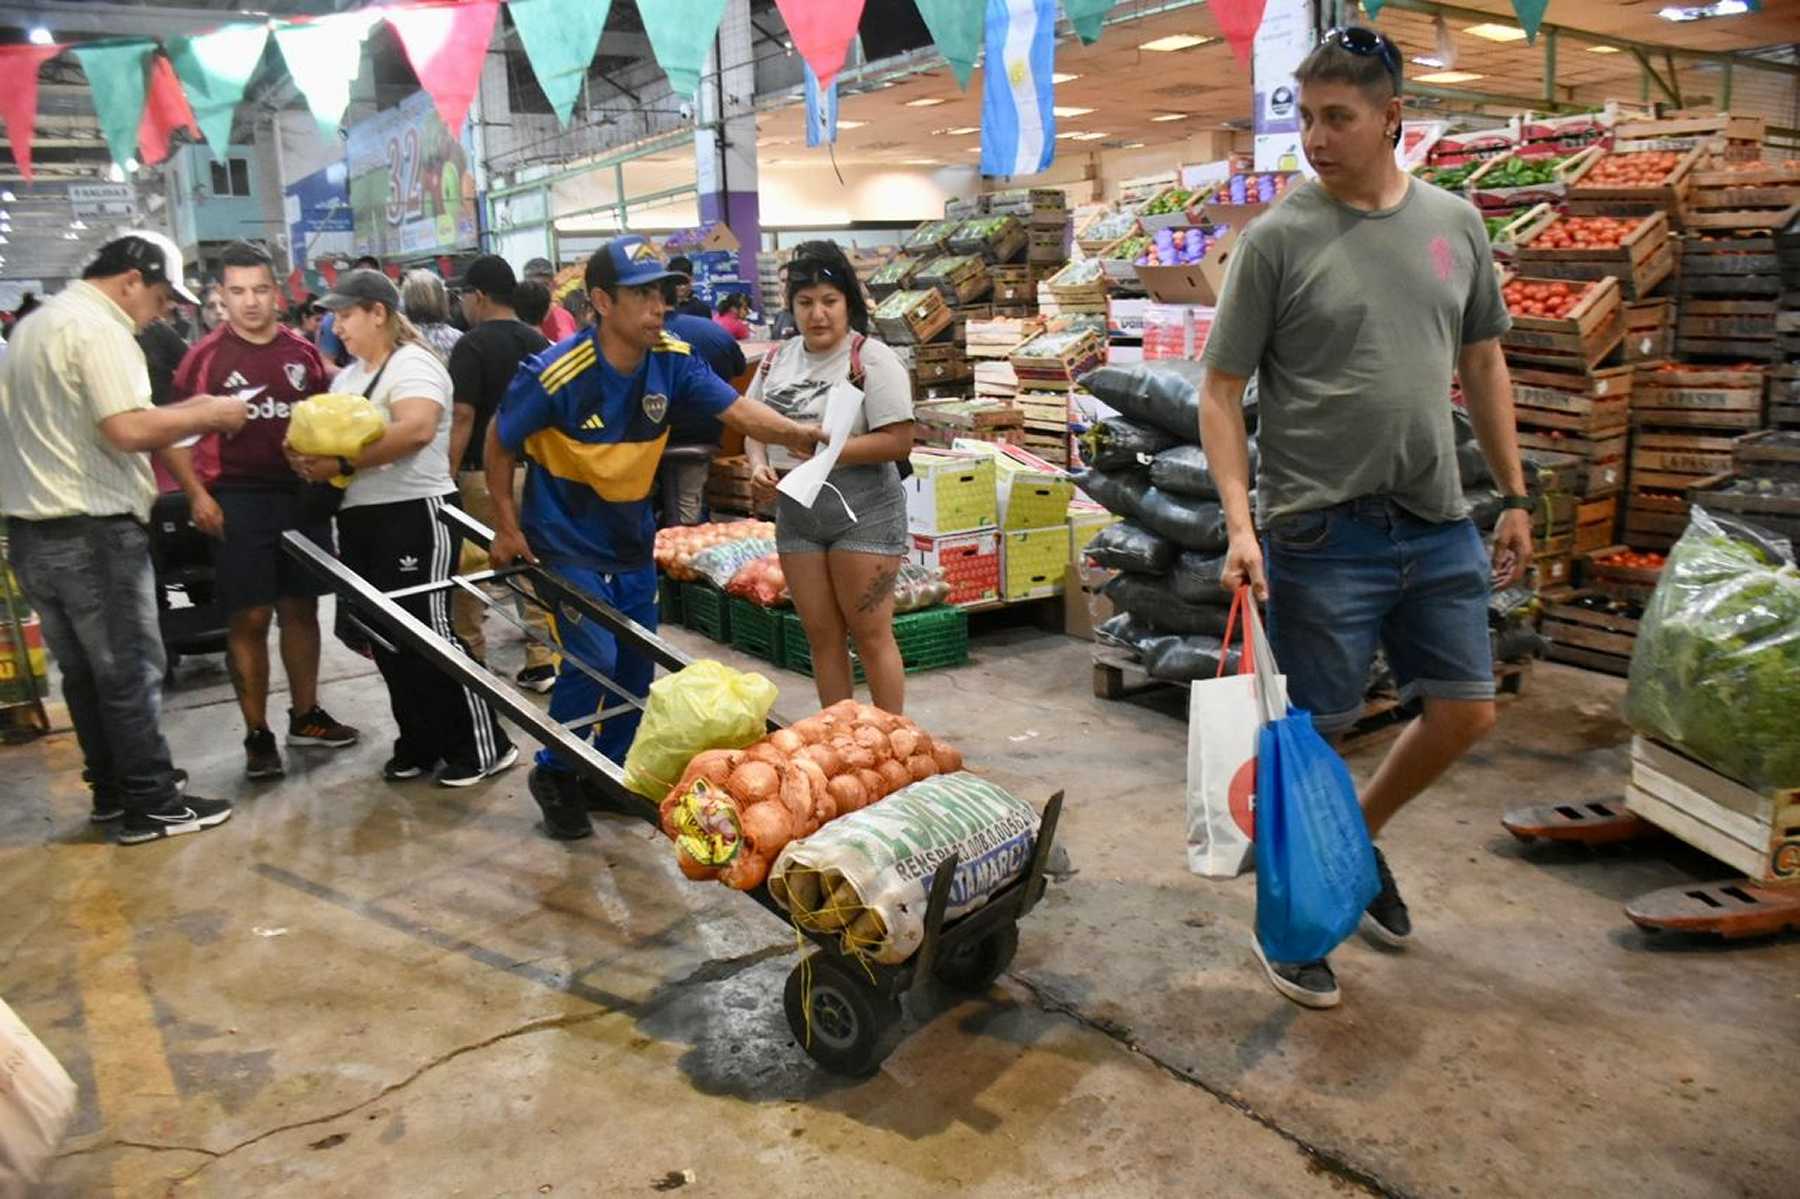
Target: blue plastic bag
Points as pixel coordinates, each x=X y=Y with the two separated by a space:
x=1315 y=865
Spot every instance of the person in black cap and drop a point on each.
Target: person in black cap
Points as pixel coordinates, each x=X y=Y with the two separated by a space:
x=75 y=486
x=482 y=364
x=390 y=533
x=686 y=302
x=591 y=417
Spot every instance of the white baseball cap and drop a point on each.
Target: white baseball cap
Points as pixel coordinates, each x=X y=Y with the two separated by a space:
x=151 y=254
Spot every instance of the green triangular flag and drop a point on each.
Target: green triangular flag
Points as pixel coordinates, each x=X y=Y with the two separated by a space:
x=560 y=40
x=681 y=32
x=1531 y=15
x=1085 y=16
x=1373 y=7
x=324 y=57
x=116 y=76
x=214 y=69
x=957 y=26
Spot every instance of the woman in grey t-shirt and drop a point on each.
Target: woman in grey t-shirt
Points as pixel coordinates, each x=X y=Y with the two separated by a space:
x=842 y=555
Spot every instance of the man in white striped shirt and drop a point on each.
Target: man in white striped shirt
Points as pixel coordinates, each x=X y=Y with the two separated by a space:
x=75 y=486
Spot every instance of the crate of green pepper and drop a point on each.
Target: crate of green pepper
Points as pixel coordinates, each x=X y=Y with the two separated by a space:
x=1119 y=260
x=929 y=239
x=1517 y=179
x=1452 y=178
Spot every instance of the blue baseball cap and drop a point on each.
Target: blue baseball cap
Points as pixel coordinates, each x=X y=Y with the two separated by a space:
x=627 y=262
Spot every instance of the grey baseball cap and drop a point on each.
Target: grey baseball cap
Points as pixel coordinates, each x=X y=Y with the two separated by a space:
x=361 y=287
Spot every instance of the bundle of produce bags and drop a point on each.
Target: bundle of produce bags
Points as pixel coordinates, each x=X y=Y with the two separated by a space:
x=732 y=811
x=678 y=546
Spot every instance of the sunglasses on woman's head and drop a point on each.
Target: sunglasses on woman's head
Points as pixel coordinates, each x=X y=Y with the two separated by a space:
x=1366 y=43
x=805 y=274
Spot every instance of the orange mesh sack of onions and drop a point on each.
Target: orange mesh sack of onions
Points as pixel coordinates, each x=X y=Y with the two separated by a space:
x=868 y=874
x=733 y=810
x=678 y=546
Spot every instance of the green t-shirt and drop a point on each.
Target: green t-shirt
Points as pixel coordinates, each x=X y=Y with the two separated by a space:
x=1352 y=322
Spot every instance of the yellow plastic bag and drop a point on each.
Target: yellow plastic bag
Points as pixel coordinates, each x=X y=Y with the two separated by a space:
x=335 y=425
x=706 y=705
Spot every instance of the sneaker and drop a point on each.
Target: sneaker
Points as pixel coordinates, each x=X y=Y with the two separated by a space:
x=261 y=759
x=467 y=774
x=1386 y=920
x=598 y=800
x=318 y=728
x=1309 y=984
x=109 y=808
x=565 y=808
x=399 y=768
x=537 y=678
x=186 y=815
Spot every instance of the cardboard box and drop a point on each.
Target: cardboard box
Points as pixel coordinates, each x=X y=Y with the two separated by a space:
x=1083 y=605
x=1125 y=317
x=1202 y=282
x=1031 y=493
x=950 y=492
x=1033 y=562
x=970 y=562
x=1176 y=331
x=1085 y=523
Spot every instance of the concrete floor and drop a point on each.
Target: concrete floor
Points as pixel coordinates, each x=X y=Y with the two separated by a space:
x=363 y=989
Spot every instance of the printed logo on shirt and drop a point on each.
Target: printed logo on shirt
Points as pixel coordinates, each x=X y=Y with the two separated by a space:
x=235 y=379
x=408 y=563
x=296 y=375
x=593 y=422
x=656 y=406
x=268 y=409
x=1443 y=259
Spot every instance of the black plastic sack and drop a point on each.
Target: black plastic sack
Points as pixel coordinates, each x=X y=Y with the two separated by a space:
x=1183 y=470
x=1484 y=507
x=1120 y=443
x=1190 y=523
x=1118 y=491
x=1123 y=631
x=1126 y=546
x=1186 y=659
x=1153 y=604
x=1164 y=394
x=1471 y=466
x=1195 y=578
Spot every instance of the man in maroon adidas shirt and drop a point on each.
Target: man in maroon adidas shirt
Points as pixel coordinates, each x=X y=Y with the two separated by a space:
x=255 y=499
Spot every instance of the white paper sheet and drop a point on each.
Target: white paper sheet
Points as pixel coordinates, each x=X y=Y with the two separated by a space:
x=247 y=394
x=804 y=482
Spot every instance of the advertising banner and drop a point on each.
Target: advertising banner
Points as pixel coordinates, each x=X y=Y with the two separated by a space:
x=1285 y=38
x=318 y=214
x=411 y=189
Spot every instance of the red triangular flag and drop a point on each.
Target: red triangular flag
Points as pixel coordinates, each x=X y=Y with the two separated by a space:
x=327 y=271
x=1238 y=21
x=165 y=110
x=446 y=46
x=822 y=30
x=296 y=285
x=18 y=97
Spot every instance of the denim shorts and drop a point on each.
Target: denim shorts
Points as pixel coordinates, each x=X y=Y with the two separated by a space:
x=860 y=510
x=1345 y=579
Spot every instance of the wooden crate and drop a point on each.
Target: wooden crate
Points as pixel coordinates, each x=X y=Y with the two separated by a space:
x=1081 y=282
x=998 y=237
x=1665 y=196
x=1691 y=396
x=1583 y=636
x=1772 y=453
x=1678 y=457
x=1597 y=405
x=959 y=278
x=893 y=276
x=1058 y=359
x=1607 y=447
x=1649 y=238
x=1751 y=832
x=1649 y=330
x=1744 y=218
x=1779 y=513
x=999 y=336
x=1591 y=330
x=1577 y=474
x=1595 y=523
x=913 y=317
x=1484 y=192
x=929 y=239
x=1635 y=583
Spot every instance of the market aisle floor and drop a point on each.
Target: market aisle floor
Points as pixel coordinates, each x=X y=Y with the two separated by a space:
x=363 y=989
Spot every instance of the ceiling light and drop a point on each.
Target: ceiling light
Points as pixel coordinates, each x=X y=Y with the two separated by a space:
x=1496 y=33
x=851 y=124
x=1447 y=77
x=3 y=240
x=1428 y=60
x=1170 y=116
x=974 y=149
x=1064 y=110
x=1132 y=146
x=71 y=237
x=1179 y=41
x=963 y=130
x=927 y=102
x=7 y=197
x=39 y=36
x=1086 y=136
x=1603 y=50
x=1699 y=12
x=920 y=162
x=1063 y=77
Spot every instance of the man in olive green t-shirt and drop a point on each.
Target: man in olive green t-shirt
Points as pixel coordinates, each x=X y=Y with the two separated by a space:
x=1353 y=301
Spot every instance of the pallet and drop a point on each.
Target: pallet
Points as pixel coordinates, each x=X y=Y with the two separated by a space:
x=1731 y=910
x=1584 y=822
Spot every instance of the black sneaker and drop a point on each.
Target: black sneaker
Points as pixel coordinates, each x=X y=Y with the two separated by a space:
x=399 y=768
x=110 y=808
x=186 y=815
x=1386 y=920
x=565 y=808
x=467 y=774
x=537 y=678
x=261 y=759
x=1309 y=984
x=318 y=728
x=598 y=800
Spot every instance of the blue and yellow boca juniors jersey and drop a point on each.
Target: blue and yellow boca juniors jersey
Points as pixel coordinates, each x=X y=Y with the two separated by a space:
x=592 y=439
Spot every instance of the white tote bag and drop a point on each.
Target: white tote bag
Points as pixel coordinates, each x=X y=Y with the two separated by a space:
x=1226 y=715
x=37 y=1101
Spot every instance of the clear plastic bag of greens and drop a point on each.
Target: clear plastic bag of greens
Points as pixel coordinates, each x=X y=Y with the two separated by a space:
x=705 y=705
x=1716 y=669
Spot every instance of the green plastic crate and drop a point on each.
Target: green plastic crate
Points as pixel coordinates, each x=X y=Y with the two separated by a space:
x=703 y=609
x=757 y=630
x=668 y=600
x=929 y=640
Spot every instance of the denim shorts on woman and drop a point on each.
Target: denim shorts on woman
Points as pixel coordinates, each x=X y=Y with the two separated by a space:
x=860 y=510
x=1367 y=572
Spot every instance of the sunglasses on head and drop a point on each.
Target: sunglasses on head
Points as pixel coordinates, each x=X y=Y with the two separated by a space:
x=1366 y=43
x=805 y=273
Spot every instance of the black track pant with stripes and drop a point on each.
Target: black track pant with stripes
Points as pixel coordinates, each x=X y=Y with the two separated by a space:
x=402 y=545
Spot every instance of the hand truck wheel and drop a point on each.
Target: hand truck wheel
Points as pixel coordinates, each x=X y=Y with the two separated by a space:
x=974 y=966
x=851 y=1027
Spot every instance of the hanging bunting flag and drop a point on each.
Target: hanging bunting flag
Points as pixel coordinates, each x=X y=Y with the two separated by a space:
x=822 y=30
x=214 y=69
x=323 y=58
x=327 y=269
x=1373 y=7
x=445 y=46
x=165 y=110
x=821 y=109
x=1086 y=16
x=1018 y=128
x=1238 y=21
x=681 y=32
x=560 y=40
x=18 y=97
x=956 y=26
x=1531 y=15
x=116 y=77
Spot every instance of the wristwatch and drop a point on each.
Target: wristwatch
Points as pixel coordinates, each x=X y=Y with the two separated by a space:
x=1521 y=503
x=345 y=466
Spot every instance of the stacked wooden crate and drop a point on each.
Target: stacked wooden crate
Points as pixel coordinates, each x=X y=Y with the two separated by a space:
x=1047 y=368
x=1685 y=418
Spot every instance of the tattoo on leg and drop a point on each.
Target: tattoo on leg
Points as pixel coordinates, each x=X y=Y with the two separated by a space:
x=880 y=587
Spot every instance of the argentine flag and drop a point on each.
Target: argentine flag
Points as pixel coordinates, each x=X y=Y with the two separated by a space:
x=821 y=109
x=1018 y=130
